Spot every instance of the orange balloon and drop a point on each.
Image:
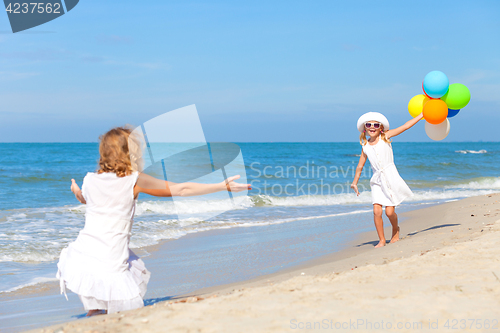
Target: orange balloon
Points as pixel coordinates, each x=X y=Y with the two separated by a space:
x=435 y=111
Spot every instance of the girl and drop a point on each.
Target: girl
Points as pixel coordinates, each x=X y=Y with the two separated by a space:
x=98 y=266
x=387 y=186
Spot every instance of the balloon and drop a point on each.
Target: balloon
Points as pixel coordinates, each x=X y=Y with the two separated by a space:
x=436 y=84
x=438 y=132
x=435 y=111
x=457 y=96
x=452 y=113
x=425 y=92
x=416 y=105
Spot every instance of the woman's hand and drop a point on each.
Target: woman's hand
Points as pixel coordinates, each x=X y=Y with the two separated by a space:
x=161 y=188
x=74 y=187
x=77 y=192
x=355 y=188
x=232 y=186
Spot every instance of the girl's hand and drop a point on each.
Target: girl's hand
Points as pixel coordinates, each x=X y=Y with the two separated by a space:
x=355 y=188
x=232 y=186
x=74 y=187
x=409 y=124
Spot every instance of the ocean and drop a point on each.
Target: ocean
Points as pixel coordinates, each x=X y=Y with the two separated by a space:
x=291 y=182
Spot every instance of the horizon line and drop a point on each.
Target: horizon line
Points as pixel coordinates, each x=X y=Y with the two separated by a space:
x=64 y=142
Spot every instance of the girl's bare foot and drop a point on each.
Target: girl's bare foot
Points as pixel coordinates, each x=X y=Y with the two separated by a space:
x=395 y=236
x=96 y=312
x=380 y=244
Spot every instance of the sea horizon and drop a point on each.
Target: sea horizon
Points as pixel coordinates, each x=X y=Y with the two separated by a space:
x=353 y=141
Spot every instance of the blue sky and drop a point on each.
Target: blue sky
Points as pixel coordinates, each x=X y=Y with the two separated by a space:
x=257 y=71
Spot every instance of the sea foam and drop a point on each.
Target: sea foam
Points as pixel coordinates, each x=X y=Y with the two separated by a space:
x=482 y=151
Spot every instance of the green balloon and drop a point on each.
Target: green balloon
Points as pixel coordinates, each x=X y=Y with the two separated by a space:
x=457 y=96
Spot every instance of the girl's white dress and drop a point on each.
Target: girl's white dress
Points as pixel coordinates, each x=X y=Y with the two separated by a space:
x=98 y=265
x=388 y=188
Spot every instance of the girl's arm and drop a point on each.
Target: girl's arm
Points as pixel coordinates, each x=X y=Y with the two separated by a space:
x=160 y=188
x=359 y=169
x=401 y=129
x=78 y=193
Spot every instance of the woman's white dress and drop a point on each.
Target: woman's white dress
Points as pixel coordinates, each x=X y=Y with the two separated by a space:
x=98 y=265
x=387 y=186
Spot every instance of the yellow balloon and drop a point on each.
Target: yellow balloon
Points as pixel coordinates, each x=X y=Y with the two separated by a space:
x=416 y=105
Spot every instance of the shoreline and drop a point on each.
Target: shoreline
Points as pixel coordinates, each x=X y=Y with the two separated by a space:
x=424 y=230
x=359 y=251
x=154 y=249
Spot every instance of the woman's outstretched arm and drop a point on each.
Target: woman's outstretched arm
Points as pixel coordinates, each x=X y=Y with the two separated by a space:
x=77 y=192
x=359 y=169
x=160 y=188
x=401 y=129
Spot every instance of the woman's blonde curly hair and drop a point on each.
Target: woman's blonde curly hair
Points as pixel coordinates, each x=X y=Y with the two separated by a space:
x=121 y=152
x=363 y=140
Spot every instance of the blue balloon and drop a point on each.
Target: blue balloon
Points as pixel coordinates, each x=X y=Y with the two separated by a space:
x=436 y=84
x=452 y=113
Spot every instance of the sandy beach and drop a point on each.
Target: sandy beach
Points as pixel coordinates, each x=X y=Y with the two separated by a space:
x=444 y=275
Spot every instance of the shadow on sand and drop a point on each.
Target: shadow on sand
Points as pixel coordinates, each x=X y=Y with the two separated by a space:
x=412 y=233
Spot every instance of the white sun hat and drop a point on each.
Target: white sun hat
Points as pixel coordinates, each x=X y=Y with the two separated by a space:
x=376 y=116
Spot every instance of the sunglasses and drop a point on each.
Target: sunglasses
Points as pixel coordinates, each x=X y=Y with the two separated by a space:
x=375 y=125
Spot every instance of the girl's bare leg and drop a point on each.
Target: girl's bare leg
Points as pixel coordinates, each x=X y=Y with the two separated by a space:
x=96 y=312
x=393 y=217
x=379 y=224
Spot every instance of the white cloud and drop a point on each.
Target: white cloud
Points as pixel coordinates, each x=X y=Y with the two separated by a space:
x=114 y=39
x=9 y=76
x=146 y=65
x=351 y=47
x=484 y=85
x=485 y=92
x=475 y=75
